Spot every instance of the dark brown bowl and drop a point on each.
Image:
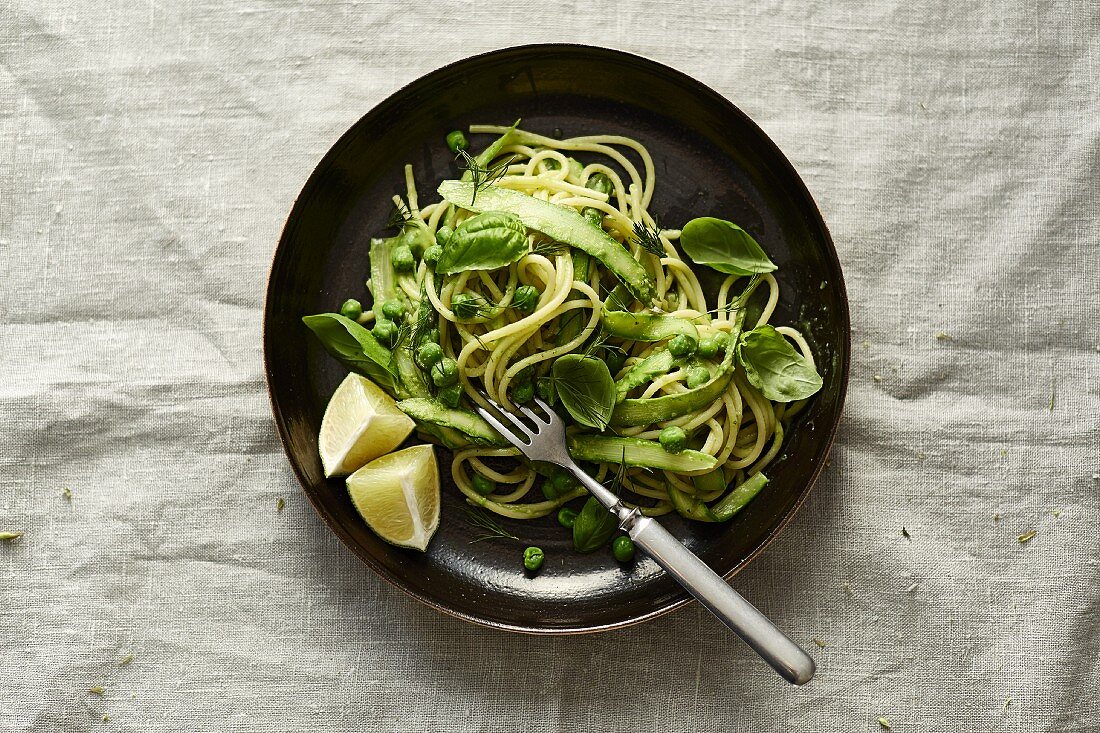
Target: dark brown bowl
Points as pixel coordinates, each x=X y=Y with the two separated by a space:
x=710 y=160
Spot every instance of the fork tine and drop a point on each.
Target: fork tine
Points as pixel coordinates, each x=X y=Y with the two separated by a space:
x=551 y=416
x=520 y=425
x=499 y=426
x=539 y=420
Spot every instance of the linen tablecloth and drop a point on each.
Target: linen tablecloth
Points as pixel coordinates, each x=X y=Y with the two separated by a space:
x=150 y=153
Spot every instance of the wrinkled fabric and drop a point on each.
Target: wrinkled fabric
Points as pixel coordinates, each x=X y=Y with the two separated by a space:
x=150 y=154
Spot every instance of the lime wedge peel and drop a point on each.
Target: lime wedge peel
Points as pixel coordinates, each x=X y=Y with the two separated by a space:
x=398 y=496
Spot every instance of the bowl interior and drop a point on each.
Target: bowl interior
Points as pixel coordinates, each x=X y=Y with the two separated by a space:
x=710 y=160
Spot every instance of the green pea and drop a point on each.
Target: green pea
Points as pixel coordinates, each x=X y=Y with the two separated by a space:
x=623 y=548
x=593 y=215
x=393 y=310
x=523 y=393
x=712 y=346
x=564 y=482
x=468 y=306
x=533 y=558
x=682 y=346
x=432 y=254
x=697 y=377
x=673 y=439
x=551 y=164
x=459 y=303
x=559 y=483
x=428 y=354
x=544 y=388
x=445 y=372
x=614 y=360
x=600 y=182
x=450 y=396
x=402 y=258
x=456 y=141
x=416 y=238
x=430 y=336
x=482 y=485
x=708 y=348
x=351 y=309
x=526 y=298
x=385 y=331
x=566 y=517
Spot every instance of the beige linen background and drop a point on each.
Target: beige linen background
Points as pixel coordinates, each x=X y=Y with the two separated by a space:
x=149 y=153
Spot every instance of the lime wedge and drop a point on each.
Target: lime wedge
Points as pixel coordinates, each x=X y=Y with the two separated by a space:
x=361 y=423
x=398 y=496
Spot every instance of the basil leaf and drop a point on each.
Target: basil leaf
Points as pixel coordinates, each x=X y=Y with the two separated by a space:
x=723 y=246
x=354 y=347
x=774 y=367
x=586 y=389
x=484 y=242
x=593 y=527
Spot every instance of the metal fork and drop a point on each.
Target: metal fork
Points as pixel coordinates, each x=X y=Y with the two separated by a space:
x=543 y=439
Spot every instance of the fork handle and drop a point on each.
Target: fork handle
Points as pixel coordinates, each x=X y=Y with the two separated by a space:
x=731 y=608
x=785 y=657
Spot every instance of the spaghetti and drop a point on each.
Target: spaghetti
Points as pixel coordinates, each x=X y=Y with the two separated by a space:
x=498 y=346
